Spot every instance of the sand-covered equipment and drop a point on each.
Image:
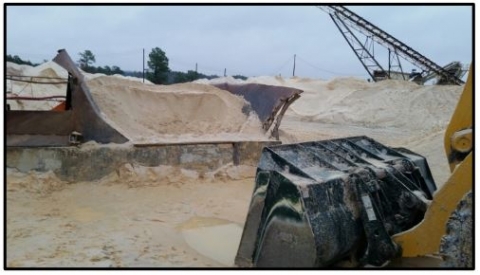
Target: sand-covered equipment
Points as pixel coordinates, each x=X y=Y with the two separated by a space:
x=112 y=109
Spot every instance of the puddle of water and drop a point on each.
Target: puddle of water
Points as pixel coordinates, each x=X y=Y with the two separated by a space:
x=196 y=222
x=214 y=238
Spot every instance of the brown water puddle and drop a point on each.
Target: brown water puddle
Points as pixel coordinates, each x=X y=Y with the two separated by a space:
x=214 y=238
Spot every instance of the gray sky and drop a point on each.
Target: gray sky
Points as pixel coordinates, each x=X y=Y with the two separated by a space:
x=247 y=40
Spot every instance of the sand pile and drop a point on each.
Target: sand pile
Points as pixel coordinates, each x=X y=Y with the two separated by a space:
x=131 y=175
x=90 y=76
x=220 y=80
x=402 y=105
x=353 y=101
x=41 y=183
x=134 y=175
x=388 y=103
x=176 y=113
x=147 y=113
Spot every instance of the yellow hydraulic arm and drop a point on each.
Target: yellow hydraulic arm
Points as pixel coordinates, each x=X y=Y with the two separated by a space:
x=425 y=238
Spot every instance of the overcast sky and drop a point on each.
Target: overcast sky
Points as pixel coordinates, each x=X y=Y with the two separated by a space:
x=247 y=40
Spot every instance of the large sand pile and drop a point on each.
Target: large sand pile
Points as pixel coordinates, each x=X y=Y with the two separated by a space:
x=147 y=113
x=352 y=101
x=385 y=104
x=90 y=76
x=174 y=113
x=168 y=111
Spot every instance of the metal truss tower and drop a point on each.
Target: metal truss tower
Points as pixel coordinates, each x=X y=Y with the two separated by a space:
x=346 y=20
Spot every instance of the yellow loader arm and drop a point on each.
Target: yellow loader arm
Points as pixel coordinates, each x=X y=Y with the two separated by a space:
x=426 y=237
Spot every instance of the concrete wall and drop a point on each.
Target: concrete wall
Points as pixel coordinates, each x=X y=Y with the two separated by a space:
x=87 y=164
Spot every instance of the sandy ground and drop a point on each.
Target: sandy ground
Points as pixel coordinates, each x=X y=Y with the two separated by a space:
x=182 y=221
x=111 y=223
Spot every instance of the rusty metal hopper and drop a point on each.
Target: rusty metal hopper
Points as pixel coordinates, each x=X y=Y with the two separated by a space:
x=269 y=102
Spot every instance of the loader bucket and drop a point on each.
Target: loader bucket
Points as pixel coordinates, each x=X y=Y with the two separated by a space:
x=318 y=204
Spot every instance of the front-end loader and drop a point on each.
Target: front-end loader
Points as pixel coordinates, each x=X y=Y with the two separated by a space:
x=354 y=202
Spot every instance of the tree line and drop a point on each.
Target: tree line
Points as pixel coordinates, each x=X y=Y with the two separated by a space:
x=16 y=59
x=86 y=61
x=158 y=70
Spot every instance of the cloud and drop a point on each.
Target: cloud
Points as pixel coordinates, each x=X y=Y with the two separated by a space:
x=249 y=40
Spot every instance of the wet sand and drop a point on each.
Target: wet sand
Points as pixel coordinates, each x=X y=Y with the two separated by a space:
x=190 y=223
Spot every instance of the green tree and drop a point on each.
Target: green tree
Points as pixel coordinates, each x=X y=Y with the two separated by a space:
x=18 y=60
x=158 y=64
x=87 y=58
x=179 y=77
x=117 y=70
x=242 y=77
x=105 y=70
x=192 y=75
